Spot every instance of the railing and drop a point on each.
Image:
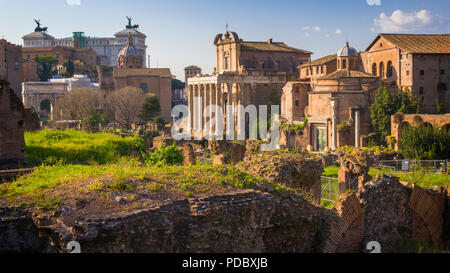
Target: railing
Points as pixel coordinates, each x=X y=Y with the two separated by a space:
x=330 y=189
x=431 y=166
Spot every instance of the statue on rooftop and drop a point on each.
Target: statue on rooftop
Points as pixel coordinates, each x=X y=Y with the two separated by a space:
x=39 y=28
x=131 y=26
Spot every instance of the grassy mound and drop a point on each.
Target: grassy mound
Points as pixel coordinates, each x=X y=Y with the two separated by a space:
x=78 y=147
x=50 y=187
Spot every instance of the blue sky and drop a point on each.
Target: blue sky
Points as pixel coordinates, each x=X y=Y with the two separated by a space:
x=181 y=32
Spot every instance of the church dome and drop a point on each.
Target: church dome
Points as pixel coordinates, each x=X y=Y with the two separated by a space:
x=130 y=56
x=347 y=51
x=129 y=49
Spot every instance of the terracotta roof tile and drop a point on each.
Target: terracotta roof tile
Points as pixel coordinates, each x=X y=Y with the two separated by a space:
x=275 y=46
x=419 y=43
x=321 y=61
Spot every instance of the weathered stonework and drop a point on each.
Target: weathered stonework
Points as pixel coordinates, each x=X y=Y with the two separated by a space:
x=388 y=218
x=241 y=222
x=189 y=155
x=354 y=170
x=12 y=142
x=226 y=152
x=290 y=169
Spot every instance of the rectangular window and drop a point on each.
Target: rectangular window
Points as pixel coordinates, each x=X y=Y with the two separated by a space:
x=422 y=72
x=421 y=90
x=407 y=72
x=442 y=72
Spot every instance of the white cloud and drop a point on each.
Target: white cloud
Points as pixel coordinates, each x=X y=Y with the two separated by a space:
x=338 y=31
x=317 y=29
x=401 y=21
x=327 y=35
x=374 y=2
x=306 y=28
x=306 y=34
x=73 y=2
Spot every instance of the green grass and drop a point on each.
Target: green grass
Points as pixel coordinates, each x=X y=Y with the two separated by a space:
x=78 y=147
x=47 y=185
x=420 y=178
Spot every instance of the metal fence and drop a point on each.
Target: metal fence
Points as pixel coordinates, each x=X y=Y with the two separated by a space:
x=430 y=166
x=330 y=189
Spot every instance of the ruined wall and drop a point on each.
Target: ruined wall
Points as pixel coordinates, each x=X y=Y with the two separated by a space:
x=293 y=170
x=292 y=139
x=12 y=142
x=226 y=152
x=400 y=121
x=241 y=222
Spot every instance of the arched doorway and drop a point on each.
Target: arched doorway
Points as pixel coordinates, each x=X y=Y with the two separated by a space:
x=45 y=108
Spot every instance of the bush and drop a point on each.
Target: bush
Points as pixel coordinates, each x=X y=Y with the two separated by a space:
x=162 y=156
x=425 y=143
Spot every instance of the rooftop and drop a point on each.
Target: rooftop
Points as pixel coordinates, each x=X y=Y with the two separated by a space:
x=162 y=72
x=418 y=43
x=38 y=35
x=270 y=46
x=347 y=74
x=321 y=61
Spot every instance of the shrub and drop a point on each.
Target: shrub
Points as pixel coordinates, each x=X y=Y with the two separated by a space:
x=162 y=156
x=425 y=143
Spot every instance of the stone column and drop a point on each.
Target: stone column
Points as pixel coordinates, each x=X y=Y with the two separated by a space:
x=218 y=98
x=197 y=108
x=211 y=103
x=357 y=129
x=190 y=95
x=334 y=122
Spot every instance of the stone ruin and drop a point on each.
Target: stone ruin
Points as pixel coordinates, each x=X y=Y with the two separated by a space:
x=294 y=170
x=189 y=155
x=226 y=152
x=354 y=170
x=12 y=121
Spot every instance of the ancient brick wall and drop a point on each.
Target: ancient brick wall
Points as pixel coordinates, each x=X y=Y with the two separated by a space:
x=241 y=222
x=345 y=232
x=12 y=142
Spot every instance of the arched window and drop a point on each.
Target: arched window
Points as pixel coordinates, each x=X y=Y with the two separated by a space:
x=344 y=64
x=389 y=69
x=381 y=69
x=374 y=69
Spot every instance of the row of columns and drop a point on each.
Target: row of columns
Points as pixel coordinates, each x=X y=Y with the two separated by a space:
x=220 y=94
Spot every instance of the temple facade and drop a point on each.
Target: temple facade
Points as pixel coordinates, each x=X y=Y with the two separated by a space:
x=246 y=73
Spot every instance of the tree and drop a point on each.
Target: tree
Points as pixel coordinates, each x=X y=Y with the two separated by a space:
x=46 y=67
x=70 y=68
x=177 y=84
x=381 y=111
x=425 y=143
x=150 y=109
x=386 y=105
x=126 y=104
x=80 y=104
